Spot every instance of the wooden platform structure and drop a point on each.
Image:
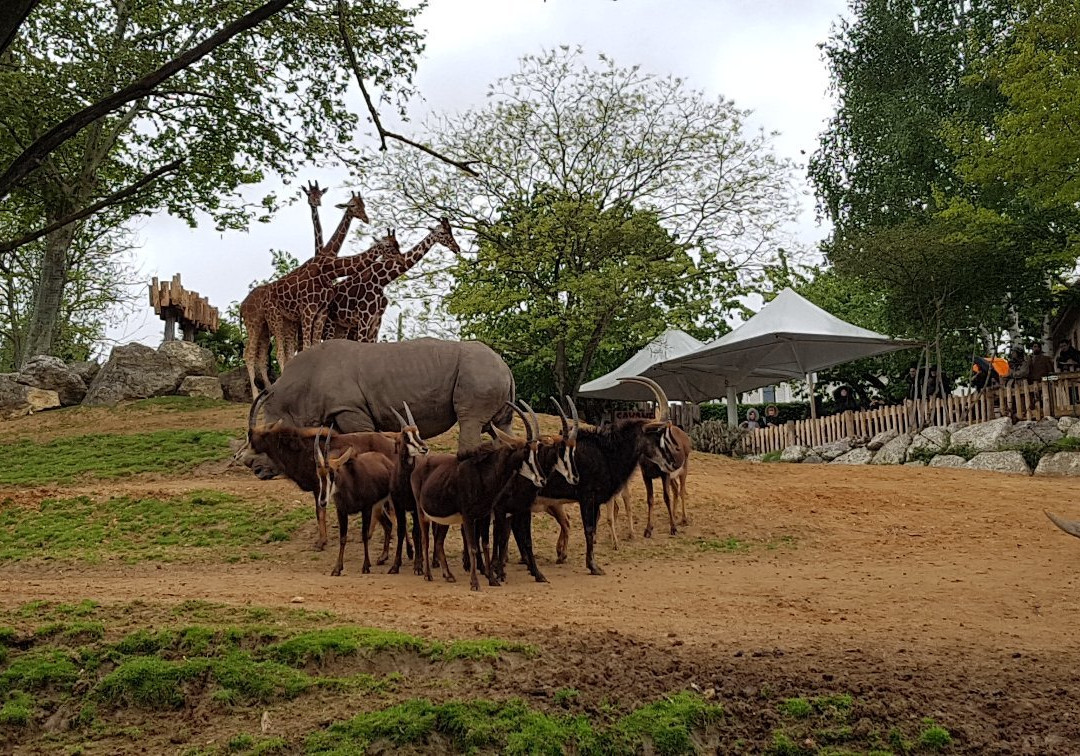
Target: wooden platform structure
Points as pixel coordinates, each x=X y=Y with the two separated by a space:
x=175 y=304
x=1054 y=396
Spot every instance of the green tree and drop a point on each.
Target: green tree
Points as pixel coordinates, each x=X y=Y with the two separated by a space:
x=263 y=104
x=563 y=289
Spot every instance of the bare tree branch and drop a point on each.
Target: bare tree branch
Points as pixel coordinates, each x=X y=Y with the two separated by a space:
x=113 y=199
x=32 y=156
x=383 y=133
x=12 y=15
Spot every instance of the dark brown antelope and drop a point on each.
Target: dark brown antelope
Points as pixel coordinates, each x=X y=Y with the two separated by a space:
x=607 y=457
x=672 y=484
x=461 y=490
x=409 y=448
x=357 y=484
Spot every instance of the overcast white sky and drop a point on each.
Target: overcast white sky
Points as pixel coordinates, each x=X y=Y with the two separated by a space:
x=763 y=54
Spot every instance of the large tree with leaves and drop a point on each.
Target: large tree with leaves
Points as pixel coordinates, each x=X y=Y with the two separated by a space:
x=263 y=103
x=576 y=161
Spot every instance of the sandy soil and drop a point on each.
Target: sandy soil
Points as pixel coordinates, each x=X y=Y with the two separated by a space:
x=942 y=590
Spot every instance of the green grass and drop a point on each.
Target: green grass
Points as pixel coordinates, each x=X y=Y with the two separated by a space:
x=174 y=404
x=512 y=727
x=37 y=670
x=18 y=710
x=82 y=630
x=773 y=456
x=109 y=455
x=137 y=529
x=934 y=737
x=796 y=708
x=566 y=696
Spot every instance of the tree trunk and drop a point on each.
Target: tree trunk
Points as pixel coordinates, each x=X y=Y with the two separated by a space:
x=560 y=368
x=48 y=301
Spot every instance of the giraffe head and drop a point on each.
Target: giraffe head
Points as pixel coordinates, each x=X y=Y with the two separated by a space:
x=444 y=235
x=389 y=245
x=354 y=208
x=314 y=193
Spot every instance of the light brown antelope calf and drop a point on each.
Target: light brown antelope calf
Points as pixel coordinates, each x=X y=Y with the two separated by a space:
x=677 y=452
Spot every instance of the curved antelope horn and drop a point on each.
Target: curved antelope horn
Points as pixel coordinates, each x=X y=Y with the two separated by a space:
x=400 y=419
x=535 y=429
x=562 y=416
x=254 y=411
x=574 y=414
x=320 y=458
x=521 y=413
x=661 y=397
x=408 y=414
x=1071 y=527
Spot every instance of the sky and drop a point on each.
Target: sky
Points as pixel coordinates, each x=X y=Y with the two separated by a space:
x=763 y=54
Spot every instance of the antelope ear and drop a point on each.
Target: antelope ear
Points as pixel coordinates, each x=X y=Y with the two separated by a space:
x=505 y=437
x=342 y=458
x=655 y=425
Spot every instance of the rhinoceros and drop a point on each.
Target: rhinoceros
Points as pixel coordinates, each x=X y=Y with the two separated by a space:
x=355 y=387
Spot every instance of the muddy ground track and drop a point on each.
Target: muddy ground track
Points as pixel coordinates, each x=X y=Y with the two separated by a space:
x=922 y=593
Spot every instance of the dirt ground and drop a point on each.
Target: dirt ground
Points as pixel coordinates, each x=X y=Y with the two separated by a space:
x=928 y=592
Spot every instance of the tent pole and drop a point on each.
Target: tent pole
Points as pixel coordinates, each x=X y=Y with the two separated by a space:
x=813 y=389
x=732 y=407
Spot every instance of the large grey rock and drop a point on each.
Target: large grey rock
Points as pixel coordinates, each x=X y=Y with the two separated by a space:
x=915 y=463
x=948 y=460
x=235 y=385
x=954 y=427
x=206 y=386
x=984 y=436
x=813 y=458
x=1031 y=432
x=831 y=451
x=51 y=374
x=1064 y=424
x=18 y=399
x=794 y=453
x=860 y=455
x=881 y=439
x=85 y=370
x=1074 y=431
x=135 y=371
x=934 y=438
x=894 y=452
x=1061 y=463
x=1000 y=461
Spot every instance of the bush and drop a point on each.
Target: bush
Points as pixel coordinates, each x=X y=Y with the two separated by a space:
x=715 y=437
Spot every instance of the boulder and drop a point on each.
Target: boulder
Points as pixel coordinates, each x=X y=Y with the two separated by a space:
x=1000 y=461
x=829 y=452
x=206 y=386
x=934 y=438
x=85 y=370
x=18 y=399
x=984 y=436
x=881 y=439
x=894 y=452
x=915 y=463
x=954 y=427
x=860 y=455
x=136 y=371
x=813 y=458
x=1061 y=463
x=1066 y=423
x=235 y=385
x=51 y=374
x=948 y=460
x=1031 y=432
x=794 y=453
x=1074 y=431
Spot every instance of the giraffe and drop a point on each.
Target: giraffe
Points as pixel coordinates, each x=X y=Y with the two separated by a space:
x=358 y=305
x=261 y=312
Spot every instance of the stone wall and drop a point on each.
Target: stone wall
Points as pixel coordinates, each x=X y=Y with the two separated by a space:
x=1050 y=446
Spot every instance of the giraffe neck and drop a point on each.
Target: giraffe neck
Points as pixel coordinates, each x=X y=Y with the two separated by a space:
x=355 y=264
x=318 y=230
x=398 y=265
x=334 y=245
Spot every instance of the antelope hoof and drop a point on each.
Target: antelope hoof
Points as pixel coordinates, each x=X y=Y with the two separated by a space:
x=561 y=558
x=615 y=545
x=409 y=551
x=450 y=578
x=648 y=532
x=594 y=570
x=394 y=569
x=539 y=577
x=494 y=582
x=428 y=578
x=684 y=522
x=474 y=586
x=522 y=561
x=320 y=545
x=674 y=531
x=418 y=570
x=366 y=569
x=336 y=572
x=383 y=559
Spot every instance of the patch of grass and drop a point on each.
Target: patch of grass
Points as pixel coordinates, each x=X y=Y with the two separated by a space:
x=668 y=724
x=134 y=529
x=63 y=460
x=17 y=710
x=7 y=635
x=483 y=648
x=923 y=454
x=241 y=742
x=783 y=745
x=73 y=631
x=796 y=708
x=566 y=696
x=967 y=451
x=773 y=456
x=84 y=608
x=269 y=745
x=934 y=737
x=39 y=670
x=729 y=545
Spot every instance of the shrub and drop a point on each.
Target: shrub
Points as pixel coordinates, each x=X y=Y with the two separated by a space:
x=715 y=437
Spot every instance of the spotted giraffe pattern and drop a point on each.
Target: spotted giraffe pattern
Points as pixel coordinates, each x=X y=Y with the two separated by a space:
x=358 y=305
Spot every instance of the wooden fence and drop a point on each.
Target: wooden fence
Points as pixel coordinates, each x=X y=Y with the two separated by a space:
x=1056 y=396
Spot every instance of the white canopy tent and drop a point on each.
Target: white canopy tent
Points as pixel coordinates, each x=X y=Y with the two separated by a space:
x=788 y=338
x=668 y=345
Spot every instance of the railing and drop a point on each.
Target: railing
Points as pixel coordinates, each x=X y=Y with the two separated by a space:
x=1056 y=396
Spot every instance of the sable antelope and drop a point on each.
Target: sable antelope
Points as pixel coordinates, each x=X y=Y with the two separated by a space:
x=672 y=484
x=607 y=457
x=289 y=450
x=357 y=484
x=409 y=447
x=517 y=501
x=462 y=490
